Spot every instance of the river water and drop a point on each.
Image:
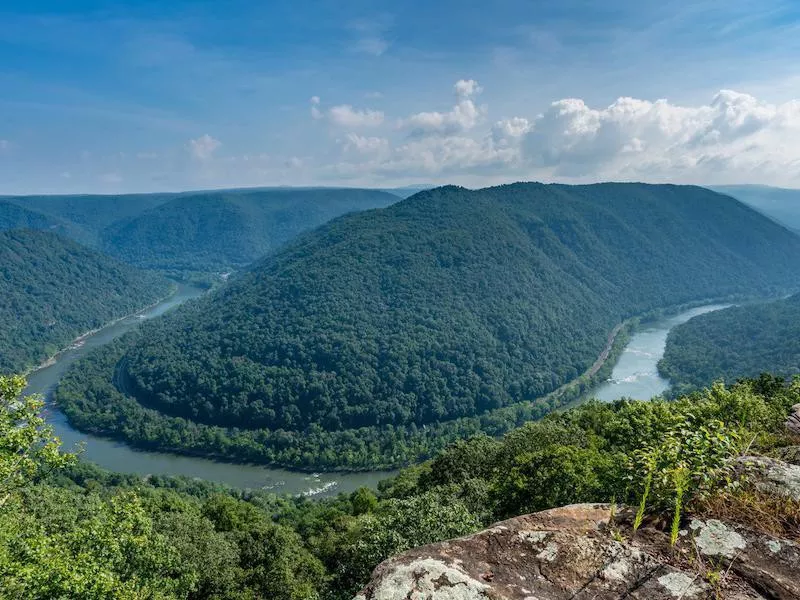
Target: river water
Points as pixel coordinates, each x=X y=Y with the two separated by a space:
x=118 y=456
x=635 y=376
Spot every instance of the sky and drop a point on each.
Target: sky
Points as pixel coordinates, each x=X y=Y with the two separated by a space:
x=111 y=97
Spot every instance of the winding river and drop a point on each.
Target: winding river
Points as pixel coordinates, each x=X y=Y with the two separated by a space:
x=118 y=456
x=635 y=375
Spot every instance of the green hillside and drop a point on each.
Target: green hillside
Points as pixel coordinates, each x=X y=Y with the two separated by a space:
x=91 y=214
x=52 y=290
x=210 y=231
x=179 y=538
x=13 y=216
x=742 y=341
x=780 y=204
x=381 y=335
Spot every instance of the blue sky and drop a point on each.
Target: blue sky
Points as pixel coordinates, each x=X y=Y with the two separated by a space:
x=147 y=96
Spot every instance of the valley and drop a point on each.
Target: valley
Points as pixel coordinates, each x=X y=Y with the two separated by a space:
x=554 y=287
x=376 y=340
x=118 y=456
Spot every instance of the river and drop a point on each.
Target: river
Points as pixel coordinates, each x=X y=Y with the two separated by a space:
x=635 y=376
x=118 y=456
x=636 y=373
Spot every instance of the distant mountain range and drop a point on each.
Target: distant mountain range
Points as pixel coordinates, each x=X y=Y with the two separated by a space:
x=780 y=204
x=376 y=338
x=192 y=232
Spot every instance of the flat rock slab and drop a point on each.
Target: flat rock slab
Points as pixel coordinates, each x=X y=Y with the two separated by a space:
x=577 y=553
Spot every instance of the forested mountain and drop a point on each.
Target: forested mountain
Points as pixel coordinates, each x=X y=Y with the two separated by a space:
x=372 y=338
x=781 y=204
x=181 y=234
x=215 y=231
x=741 y=341
x=13 y=216
x=91 y=214
x=52 y=290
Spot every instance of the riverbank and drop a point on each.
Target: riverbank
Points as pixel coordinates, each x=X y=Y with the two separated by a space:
x=117 y=455
x=84 y=336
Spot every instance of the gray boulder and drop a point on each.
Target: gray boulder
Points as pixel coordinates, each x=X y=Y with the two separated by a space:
x=583 y=552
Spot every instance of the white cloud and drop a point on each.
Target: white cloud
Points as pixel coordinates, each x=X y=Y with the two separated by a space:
x=735 y=137
x=373 y=146
x=4 y=145
x=294 y=162
x=514 y=127
x=347 y=116
x=203 y=148
x=464 y=116
x=467 y=87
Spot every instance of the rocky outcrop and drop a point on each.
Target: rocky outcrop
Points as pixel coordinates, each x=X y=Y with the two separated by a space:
x=793 y=422
x=771 y=475
x=583 y=552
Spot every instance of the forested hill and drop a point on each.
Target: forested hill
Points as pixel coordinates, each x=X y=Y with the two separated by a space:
x=52 y=290
x=380 y=326
x=742 y=341
x=217 y=231
x=90 y=214
x=781 y=204
x=17 y=217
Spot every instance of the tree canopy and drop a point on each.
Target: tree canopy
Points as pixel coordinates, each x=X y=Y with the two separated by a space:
x=360 y=341
x=741 y=341
x=53 y=290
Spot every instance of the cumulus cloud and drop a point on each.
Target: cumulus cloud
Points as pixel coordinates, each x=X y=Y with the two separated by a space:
x=735 y=136
x=366 y=145
x=514 y=127
x=467 y=87
x=203 y=148
x=347 y=116
x=464 y=116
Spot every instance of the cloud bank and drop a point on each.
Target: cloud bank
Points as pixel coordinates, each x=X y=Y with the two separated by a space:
x=735 y=137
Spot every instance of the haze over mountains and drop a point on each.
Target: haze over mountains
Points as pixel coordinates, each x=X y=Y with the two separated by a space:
x=192 y=232
x=340 y=349
x=783 y=205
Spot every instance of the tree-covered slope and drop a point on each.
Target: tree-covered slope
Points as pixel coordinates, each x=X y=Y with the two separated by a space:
x=741 y=341
x=52 y=290
x=13 y=216
x=442 y=308
x=214 y=231
x=162 y=537
x=90 y=214
x=780 y=204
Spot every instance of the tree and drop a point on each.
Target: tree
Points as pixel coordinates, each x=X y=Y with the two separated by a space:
x=27 y=445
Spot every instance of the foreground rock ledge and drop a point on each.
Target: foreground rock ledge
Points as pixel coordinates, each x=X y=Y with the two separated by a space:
x=577 y=553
